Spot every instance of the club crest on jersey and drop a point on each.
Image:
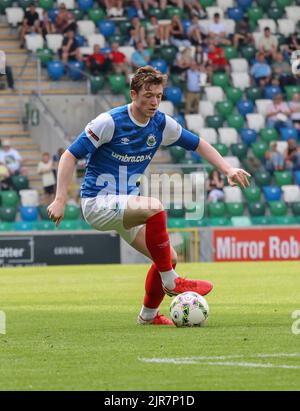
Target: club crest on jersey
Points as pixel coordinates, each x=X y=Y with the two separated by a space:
x=151 y=140
x=125 y=140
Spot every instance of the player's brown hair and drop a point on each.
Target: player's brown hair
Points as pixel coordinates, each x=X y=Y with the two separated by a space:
x=145 y=77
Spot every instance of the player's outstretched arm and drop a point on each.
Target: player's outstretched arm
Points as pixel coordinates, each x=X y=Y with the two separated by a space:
x=64 y=177
x=234 y=175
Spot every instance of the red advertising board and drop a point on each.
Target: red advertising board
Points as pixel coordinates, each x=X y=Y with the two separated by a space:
x=271 y=244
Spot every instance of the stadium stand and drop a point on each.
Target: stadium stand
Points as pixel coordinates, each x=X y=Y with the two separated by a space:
x=233 y=113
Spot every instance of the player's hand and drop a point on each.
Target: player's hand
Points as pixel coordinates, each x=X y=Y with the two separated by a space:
x=238 y=176
x=56 y=211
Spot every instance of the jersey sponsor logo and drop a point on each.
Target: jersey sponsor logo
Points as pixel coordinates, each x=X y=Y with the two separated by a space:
x=93 y=135
x=131 y=159
x=125 y=140
x=151 y=140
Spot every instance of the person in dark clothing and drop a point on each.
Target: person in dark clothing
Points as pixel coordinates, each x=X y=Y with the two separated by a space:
x=31 y=23
x=70 y=48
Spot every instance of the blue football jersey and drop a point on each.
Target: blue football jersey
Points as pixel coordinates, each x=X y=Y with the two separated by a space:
x=119 y=148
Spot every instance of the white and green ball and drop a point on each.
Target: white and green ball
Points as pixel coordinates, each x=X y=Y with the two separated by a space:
x=189 y=309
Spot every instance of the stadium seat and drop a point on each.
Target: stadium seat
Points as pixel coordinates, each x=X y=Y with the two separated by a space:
x=24 y=3
x=216 y=209
x=159 y=64
x=153 y=11
x=281 y=146
x=75 y=70
x=234 y=94
x=4 y=4
x=253 y=93
x=8 y=214
x=167 y=107
x=211 y=10
x=296 y=208
x=96 y=38
x=286 y=26
x=224 y=108
x=180 y=119
x=239 y=150
x=257 y=209
x=278 y=208
x=240 y=80
x=23 y=226
x=255 y=13
x=284 y=220
x=173 y=11
x=20 y=182
x=206 y=108
x=241 y=221
x=86 y=28
x=107 y=28
x=232 y=194
x=44 y=225
x=291 y=193
x=239 y=65
x=262 y=106
x=174 y=94
x=29 y=213
x=44 y=55
x=262 y=178
x=209 y=134
x=218 y=222
x=221 y=148
x=177 y=153
x=297 y=177
x=29 y=198
x=244 y=4
x=248 y=135
x=262 y=23
x=260 y=220
x=6 y=226
x=97 y=83
x=220 y=80
x=176 y=210
x=168 y=54
x=229 y=26
x=72 y=212
x=43 y=213
x=9 y=198
x=231 y=53
x=255 y=121
x=96 y=15
x=252 y=194
x=14 y=15
x=34 y=42
x=271 y=91
x=259 y=149
x=245 y=107
x=117 y=83
x=288 y=132
x=85 y=5
x=275 y=13
x=235 y=209
x=177 y=223
x=214 y=93
x=290 y=91
x=248 y=52
x=233 y=161
x=228 y=136
x=235 y=121
x=55 y=70
x=268 y=134
x=70 y=225
x=78 y=14
x=283 y=178
x=46 y=4
x=272 y=193
x=214 y=121
x=194 y=122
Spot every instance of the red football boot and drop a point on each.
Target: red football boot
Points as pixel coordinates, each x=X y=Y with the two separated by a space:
x=159 y=319
x=183 y=285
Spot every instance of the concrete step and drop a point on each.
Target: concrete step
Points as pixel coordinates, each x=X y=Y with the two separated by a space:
x=15 y=51
x=13 y=132
x=10 y=44
x=8 y=120
x=8 y=112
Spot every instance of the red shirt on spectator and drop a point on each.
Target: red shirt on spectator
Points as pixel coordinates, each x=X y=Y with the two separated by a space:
x=217 y=57
x=118 y=57
x=98 y=57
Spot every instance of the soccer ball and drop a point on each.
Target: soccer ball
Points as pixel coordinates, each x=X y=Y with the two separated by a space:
x=189 y=309
x=295 y=62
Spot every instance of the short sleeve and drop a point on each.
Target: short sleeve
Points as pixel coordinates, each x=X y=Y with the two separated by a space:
x=100 y=130
x=172 y=131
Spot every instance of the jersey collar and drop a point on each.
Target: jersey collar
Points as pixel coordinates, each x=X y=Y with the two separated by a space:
x=134 y=120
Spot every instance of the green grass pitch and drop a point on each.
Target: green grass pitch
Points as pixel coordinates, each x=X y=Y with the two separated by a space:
x=74 y=328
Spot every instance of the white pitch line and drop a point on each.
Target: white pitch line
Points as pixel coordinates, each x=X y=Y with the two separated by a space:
x=253 y=365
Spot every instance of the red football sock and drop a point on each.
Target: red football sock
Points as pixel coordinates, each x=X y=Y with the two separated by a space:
x=157 y=241
x=153 y=287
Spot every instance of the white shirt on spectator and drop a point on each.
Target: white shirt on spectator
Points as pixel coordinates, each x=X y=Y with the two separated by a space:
x=216 y=28
x=12 y=159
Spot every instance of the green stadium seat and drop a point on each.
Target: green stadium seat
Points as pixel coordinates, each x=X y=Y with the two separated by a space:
x=97 y=83
x=214 y=121
x=177 y=223
x=234 y=94
x=24 y=225
x=208 y=3
x=44 y=225
x=96 y=15
x=127 y=95
x=43 y=213
x=78 y=14
x=235 y=209
x=124 y=27
x=117 y=38
x=220 y=79
x=248 y=52
x=275 y=13
x=278 y=208
x=261 y=220
x=235 y=121
x=262 y=178
x=20 y=182
x=9 y=198
x=255 y=13
x=171 y=11
x=221 y=148
x=84 y=225
x=296 y=208
x=156 y=12
x=239 y=150
x=176 y=211
x=177 y=153
x=224 y=108
x=24 y=3
x=8 y=214
x=70 y=225
x=284 y=220
x=117 y=83
x=6 y=226
x=168 y=53
x=4 y=4
x=44 y=55
x=197 y=223
x=218 y=222
x=268 y=134
x=46 y=4
x=72 y=212
x=257 y=209
x=283 y=178
x=253 y=93
x=230 y=52
x=252 y=194
x=284 y=3
x=290 y=91
x=176 y=80
x=264 y=4
x=216 y=209
x=259 y=149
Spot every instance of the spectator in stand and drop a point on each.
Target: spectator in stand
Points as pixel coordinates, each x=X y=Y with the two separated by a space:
x=140 y=57
x=278 y=113
x=292 y=43
x=294 y=106
x=194 y=7
x=31 y=23
x=65 y=20
x=11 y=158
x=268 y=44
x=216 y=58
x=242 y=35
x=217 y=30
x=70 y=48
x=47 y=27
x=177 y=36
x=282 y=71
x=194 y=32
x=153 y=29
x=261 y=71
x=98 y=62
x=114 y=8
x=195 y=78
x=292 y=155
x=137 y=32
x=183 y=61
x=274 y=159
x=176 y=3
x=119 y=61
x=215 y=187
x=45 y=169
